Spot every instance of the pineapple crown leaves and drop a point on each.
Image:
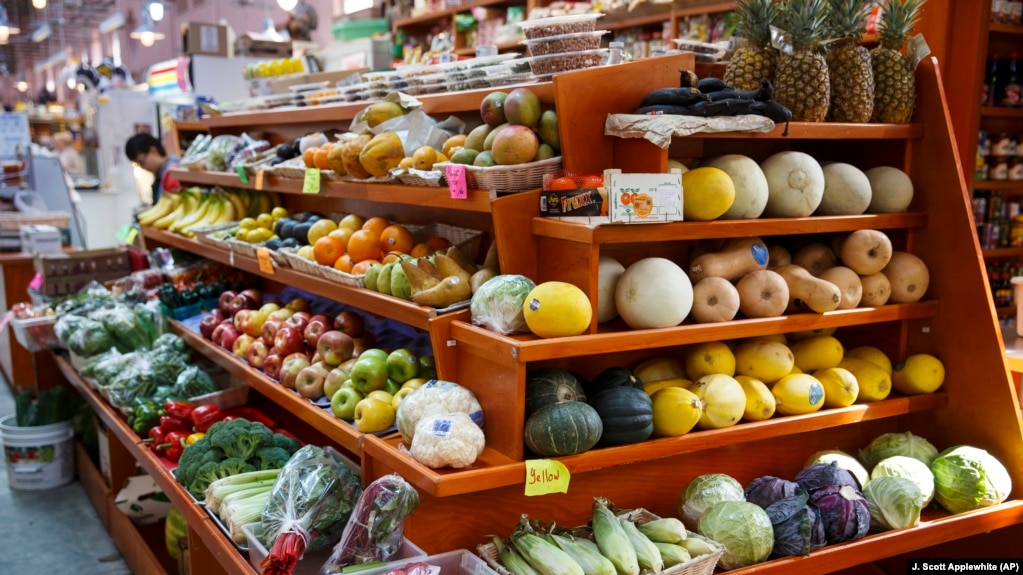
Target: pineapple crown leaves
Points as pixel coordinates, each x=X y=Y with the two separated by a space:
x=805 y=23
x=755 y=19
x=847 y=19
x=899 y=17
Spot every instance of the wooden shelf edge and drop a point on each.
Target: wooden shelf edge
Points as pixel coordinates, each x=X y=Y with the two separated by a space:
x=998 y=184
x=212 y=537
x=619 y=234
x=1005 y=28
x=530 y=348
x=321 y=419
x=190 y=126
x=998 y=112
x=1014 y=251
x=494 y=473
x=380 y=304
x=441 y=14
x=828 y=131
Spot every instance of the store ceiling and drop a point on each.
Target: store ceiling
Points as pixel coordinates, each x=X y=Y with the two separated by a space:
x=77 y=20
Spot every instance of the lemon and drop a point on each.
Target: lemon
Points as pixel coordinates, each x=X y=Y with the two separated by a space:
x=873 y=355
x=655 y=386
x=760 y=404
x=724 y=402
x=875 y=384
x=658 y=368
x=707 y=193
x=709 y=358
x=817 y=352
x=557 y=309
x=765 y=360
x=840 y=386
x=798 y=394
x=306 y=252
x=919 y=373
x=676 y=411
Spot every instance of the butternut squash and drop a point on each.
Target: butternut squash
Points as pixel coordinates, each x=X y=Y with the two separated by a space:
x=714 y=300
x=738 y=257
x=815 y=257
x=909 y=277
x=807 y=292
x=848 y=283
x=777 y=256
x=876 y=290
x=866 y=252
x=763 y=293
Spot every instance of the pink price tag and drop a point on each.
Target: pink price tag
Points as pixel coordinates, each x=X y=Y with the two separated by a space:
x=456 y=181
x=37 y=282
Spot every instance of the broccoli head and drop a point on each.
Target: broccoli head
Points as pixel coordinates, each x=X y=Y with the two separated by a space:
x=272 y=457
x=239 y=438
x=286 y=443
x=193 y=457
x=212 y=471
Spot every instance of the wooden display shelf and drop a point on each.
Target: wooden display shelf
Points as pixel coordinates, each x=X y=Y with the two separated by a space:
x=996 y=112
x=615 y=24
x=505 y=47
x=438 y=15
x=323 y=420
x=190 y=126
x=421 y=196
x=1010 y=252
x=526 y=348
x=624 y=234
x=1013 y=185
x=391 y=307
x=831 y=131
x=1006 y=28
x=215 y=541
x=1005 y=311
x=492 y=470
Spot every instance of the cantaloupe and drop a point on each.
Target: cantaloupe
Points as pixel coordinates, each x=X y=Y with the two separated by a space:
x=653 y=293
x=795 y=184
x=750 y=185
x=847 y=191
x=891 y=190
x=607 y=277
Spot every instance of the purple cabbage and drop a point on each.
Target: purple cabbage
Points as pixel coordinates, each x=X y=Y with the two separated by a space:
x=822 y=475
x=798 y=528
x=844 y=511
x=768 y=489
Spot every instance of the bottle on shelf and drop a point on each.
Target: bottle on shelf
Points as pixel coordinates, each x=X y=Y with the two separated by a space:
x=1011 y=93
x=615 y=54
x=990 y=95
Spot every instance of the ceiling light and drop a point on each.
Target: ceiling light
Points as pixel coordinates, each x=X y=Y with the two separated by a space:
x=287 y=5
x=111 y=23
x=39 y=4
x=71 y=83
x=42 y=33
x=22 y=86
x=145 y=33
x=156 y=10
x=7 y=28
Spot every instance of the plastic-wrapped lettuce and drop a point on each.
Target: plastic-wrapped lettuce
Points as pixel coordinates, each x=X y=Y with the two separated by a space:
x=703 y=492
x=968 y=478
x=743 y=528
x=894 y=503
x=889 y=444
x=798 y=528
x=909 y=468
x=497 y=304
x=844 y=460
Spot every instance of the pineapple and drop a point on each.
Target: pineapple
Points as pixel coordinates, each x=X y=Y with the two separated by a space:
x=755 y=58
x=894 y=84
x=801 y=83
x=849 y=68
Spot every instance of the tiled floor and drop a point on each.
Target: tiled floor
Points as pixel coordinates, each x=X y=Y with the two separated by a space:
x=53 y=531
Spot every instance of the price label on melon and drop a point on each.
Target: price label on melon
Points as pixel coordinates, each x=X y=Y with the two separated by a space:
x=311 y=184
x=456 y=181
x=259 y=180
x=242 y=175
x=544 y=476
x=263 y=257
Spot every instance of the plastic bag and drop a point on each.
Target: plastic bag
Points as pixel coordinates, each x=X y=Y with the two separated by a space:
x=374 y=532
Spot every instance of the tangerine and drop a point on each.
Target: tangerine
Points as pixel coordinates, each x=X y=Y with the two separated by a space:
x=391 y=257
x=397 y=238
x=327 y=250
x=438 y=243
x=376 y=224
x=364 y=245
x=361 y=267
x=320 y=159
x=309 y=157
x=421 y=250
x=344 y=263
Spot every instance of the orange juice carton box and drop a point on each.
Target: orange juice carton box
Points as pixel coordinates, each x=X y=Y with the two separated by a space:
x=613 y=198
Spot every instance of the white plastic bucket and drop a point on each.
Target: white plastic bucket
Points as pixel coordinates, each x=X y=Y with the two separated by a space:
x=38 y=458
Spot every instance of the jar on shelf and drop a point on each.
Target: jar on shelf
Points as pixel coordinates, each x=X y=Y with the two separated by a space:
x=1016 y=168
x=999 y=168
x=1015 y=12
x=1003 y=145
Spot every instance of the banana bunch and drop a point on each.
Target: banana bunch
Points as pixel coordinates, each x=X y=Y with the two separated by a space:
x=189 y=209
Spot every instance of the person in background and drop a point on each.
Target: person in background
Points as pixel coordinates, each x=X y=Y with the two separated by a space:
x=149 y=153
x=69 y=158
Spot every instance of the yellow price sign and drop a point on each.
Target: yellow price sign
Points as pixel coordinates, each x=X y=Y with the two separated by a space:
x=544 y=476
x=311 y=184
x=265 y=264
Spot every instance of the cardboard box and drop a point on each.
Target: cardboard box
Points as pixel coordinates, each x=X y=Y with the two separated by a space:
x=624 y=199
x=247 y=46
x=40 y=239
x=282 y=85
x=142 y=500
x=205 y=38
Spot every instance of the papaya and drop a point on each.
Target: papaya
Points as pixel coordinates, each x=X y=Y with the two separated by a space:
x=380 y=112
x=382 y=153
x=350 y=152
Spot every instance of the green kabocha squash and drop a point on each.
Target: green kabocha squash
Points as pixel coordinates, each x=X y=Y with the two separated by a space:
x=563 y=428
x=551 y=385
x=626 y=413
x=613 y=377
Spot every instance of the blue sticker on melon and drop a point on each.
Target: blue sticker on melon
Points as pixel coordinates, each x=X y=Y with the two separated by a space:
x=816 y=393
x=759 y=253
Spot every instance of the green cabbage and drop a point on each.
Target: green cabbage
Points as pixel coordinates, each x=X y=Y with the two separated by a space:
x=894 y=502
x=910 y=468
x=497 y=304
x=844 y=460
x=703 y=492
x=890 y=444
x=743 y=528
x=967 y=478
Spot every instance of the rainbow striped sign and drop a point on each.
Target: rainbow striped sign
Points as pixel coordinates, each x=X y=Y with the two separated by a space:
x=169 y=77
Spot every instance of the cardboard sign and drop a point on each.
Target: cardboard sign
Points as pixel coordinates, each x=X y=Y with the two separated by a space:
x=259 y=180
x=265 y=264
x=544 y=476
x=456 y=181
x=311 y=184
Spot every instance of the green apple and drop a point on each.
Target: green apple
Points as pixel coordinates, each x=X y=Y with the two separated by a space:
x=402 y=365
x=373 y=415
x=400 y=395
x=348 y=383
x=391 y=386
x=344 y=402
x=427 y=367
x=381 y=395
x=374 y=352
x=415 y=383
x=369 y=374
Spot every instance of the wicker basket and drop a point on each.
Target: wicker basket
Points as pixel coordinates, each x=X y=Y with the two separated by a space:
x=301 y=264
x=204 y=235
x=466 y=240
x=699 y=565
x=509 y=179
x=14 y=220
x=418 y=177
x=331 y=274
x=242 y=248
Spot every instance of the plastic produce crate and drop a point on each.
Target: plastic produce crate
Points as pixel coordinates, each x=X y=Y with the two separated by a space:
x=66 y=273
x=36 y=333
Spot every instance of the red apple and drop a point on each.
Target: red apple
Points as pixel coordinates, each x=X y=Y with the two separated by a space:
x=288 y=340
x=242 y=301
x=273 y=364
x=241 y=317
x=299 y=319
x=290 y=368
x=349 y=322
x=335 y=347
x=269 y=331
x=315 y=357
x=256 y=354
x=210 y=322
x=225 y=334
x=366 y=341
x=310 y=380
x=318 y=324
x=253 y=294
x=224 y=302
x=242 y=344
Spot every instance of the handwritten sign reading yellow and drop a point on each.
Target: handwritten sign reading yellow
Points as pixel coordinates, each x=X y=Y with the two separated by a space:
x=545 y=476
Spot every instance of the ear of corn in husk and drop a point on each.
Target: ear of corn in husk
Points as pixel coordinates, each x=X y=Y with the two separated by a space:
x=612 y=540
x=585 y=553
x=545 y=557
x=646 y=552
x=511 y=560
x=664 y=530
x=672 y=554
x=696 y=546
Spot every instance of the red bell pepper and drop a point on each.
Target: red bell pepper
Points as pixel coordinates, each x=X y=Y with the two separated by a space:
x=251 y=414
x=206 y=415
x=179 y=409
x=157 y=435
x=169 y=424
x=175 y=444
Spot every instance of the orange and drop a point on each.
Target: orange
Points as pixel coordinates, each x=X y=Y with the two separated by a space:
x=438 y=243
x=309 y=157
x=391 y=257
x=364 y=245
x=397 y=239
x=344 y=263
x=327 y=250
x=320 y=159
x=421 y=250
x=562 y=183
x=361 y=267
x=377 y=224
